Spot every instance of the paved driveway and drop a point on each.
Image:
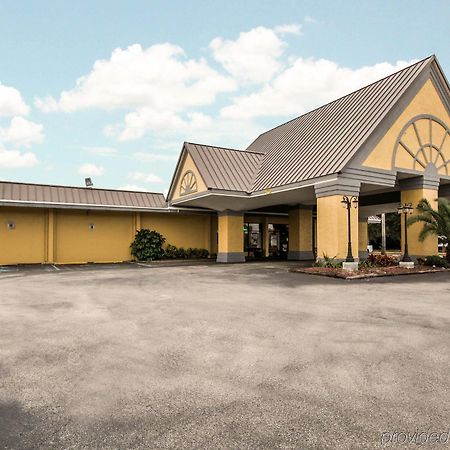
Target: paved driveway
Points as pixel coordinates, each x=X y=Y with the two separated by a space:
x=242 y=356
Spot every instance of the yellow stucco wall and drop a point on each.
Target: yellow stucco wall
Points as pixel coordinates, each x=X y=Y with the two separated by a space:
x=332 y=228
x=231 y=234
x=300 y=230
x=415 y=247
x=426 y=101
x=109 y=241
x=181 y=230
x=26 y=243
x=187 y=165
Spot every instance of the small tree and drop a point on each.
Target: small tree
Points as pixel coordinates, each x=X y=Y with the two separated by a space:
x=147 y=245
x=435 y=222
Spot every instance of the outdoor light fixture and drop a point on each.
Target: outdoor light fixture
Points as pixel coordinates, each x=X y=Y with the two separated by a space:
x=406 y=209
x=348 y=202
x=88 y=182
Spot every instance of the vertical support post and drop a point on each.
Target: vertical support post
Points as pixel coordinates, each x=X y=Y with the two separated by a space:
x=301 y=234
x=333 y=229
x=412 y=191
x=266 y=240
x=51 y=235
x=138 y=221
x=363 y=238
x=231 y=237
x=213 y=235
x=383 y=233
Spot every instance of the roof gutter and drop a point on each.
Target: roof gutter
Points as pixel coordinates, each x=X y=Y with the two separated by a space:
x=63 y=205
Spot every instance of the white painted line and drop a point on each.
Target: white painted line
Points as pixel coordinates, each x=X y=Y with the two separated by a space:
x=143 y=265
x=56 y=268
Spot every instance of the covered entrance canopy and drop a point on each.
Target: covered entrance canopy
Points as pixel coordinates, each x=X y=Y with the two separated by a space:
x=386 y=143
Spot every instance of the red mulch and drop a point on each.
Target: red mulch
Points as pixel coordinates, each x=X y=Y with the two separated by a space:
x=367 y=272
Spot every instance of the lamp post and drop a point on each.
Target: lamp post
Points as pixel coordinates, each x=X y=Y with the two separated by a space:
x=347 y=201
x=405 y=209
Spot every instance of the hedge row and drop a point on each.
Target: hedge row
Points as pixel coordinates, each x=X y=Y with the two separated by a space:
x=148 y=245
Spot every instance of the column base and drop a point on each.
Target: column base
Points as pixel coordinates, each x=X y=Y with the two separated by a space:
x=233 y=257
x=302 y=255
x=350 y=266
x=408 y=265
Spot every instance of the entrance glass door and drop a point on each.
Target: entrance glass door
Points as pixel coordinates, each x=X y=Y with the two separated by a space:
x=253 y=240
x=278 y=240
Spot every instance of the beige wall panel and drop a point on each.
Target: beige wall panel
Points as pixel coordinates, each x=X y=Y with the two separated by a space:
x=26 y=242
x=109 y=241
x=181 y=230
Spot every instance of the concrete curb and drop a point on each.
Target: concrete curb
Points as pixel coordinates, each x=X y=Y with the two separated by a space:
x=368 y=275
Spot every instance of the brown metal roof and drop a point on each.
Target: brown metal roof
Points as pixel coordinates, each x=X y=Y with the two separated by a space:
x=322 y=141
x=60 y=196
x=225 y=168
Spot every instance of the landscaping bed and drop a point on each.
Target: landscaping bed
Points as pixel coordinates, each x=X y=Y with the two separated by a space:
x=368 y=272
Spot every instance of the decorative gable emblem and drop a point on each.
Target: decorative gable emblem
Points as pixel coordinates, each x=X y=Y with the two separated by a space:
x=425 y=140
x=188 y=183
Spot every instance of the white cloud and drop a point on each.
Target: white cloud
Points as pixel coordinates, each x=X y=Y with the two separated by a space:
x=22 y=133
x=15 y=158
x=158 y=77
x=304 y=85
x=46 y=104
x=171 y=98
x=145 y=120
x=146 y=177
x=252 y=57
x=90 y=170
x=132 y=187
x=11 y=102
x=292 y=28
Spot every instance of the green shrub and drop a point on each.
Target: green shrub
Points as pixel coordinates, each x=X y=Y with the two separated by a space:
x=147 y=245
x=171 y=252
x=382 y=260
x=202 y=253
x=328 y=262
x=365 y=264
x=436 y=261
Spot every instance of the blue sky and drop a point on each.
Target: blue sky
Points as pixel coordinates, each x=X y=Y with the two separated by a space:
x=111 y=89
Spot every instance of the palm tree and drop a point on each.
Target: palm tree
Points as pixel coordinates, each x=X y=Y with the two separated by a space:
x=435 y=222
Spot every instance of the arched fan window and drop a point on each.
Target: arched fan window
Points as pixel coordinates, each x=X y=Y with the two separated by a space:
x=188 y=183
x=424 y=142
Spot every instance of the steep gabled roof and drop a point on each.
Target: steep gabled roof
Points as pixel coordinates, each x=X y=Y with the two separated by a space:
x=64 y=196
x=225 y=168
x=322 y=141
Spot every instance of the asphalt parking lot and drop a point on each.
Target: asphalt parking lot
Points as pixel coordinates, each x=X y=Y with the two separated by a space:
x=214 y=356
